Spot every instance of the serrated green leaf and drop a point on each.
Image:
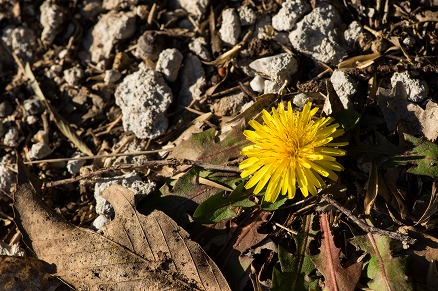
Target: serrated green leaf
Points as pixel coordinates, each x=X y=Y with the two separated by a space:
x=423 y=156
x=218 y=208
x=348 y=119
x=393 y=273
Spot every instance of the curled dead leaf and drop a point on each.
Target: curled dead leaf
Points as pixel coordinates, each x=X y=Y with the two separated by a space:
x=132 y=252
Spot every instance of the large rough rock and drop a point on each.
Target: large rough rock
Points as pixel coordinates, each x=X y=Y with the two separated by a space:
x=52 y=18
x=290 y=12
x=316 y=35
x=144 y=98
x=111 y=28
x=192 y=80
x=412 y=89
x=230 y=28
x=277 y=68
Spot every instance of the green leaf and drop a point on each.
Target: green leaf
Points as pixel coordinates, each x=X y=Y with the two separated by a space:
x=295 y=268
x=188 y=193
x=383 y=268
x=218 y=208
x=268 y=206
x=348 y=119
x=424 y=157
x=375 y=146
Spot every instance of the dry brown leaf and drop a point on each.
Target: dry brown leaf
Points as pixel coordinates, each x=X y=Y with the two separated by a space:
x=427 y=15
x=426 y=245
x=134 y=252
x=25 y=273
x=361 y=61
x=372 y=188
x=60 y=122
x=328 y=263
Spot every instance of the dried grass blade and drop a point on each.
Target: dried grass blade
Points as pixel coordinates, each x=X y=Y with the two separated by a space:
x=60 y=122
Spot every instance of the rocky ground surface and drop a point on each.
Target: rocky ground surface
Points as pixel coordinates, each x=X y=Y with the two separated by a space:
x=128 y=76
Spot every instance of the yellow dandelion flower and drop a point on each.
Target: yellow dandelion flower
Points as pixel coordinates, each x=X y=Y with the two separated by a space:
x=291 y=149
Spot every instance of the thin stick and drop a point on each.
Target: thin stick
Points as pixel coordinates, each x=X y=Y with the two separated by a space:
x=142 y=165
x=98 y=156
x=365 y=227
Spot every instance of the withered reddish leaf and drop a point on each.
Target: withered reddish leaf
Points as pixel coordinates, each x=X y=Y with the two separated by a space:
x=135 y=251
x=203 y=146
x=328 y=263
x=249 y=235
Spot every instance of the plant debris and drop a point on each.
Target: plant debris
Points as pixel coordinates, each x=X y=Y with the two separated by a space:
x=154 y=96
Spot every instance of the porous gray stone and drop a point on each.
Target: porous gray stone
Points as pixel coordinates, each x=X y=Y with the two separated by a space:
x=316 y=35
x=7 y=176
x=51 y=19
x=33 y=106
x=39 y=151
x=257 y=84
x=345 y=86
x=12 y=137
x=192 y=80
x=21 y=40
x=73 y=166
x=289 y=13
x=197 y=46
x=353 y=34
x=412 y=89
x=301 y=99
x=111 y=28
x=247 y=15
x=144 y=97
x=118 y=4
x=230 y=28
x=230 y=105
x=169 y=63
x=195 y=7
x=73 y=75
x=277 y=68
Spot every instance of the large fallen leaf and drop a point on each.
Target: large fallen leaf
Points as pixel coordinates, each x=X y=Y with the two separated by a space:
x=328 y=262
x=132 y=252
x=386 y=271
x=25 y=273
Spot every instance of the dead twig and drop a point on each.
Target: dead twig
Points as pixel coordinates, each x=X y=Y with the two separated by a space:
x=154 y=163
x=365 y=227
